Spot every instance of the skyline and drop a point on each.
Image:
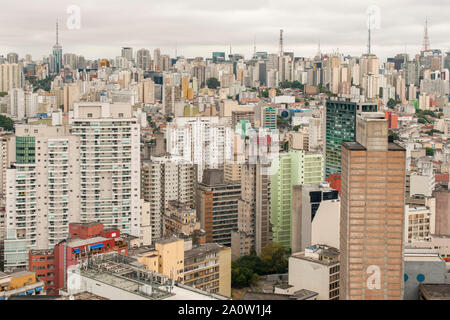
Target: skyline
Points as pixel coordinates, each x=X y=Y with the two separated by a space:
x=183 y=27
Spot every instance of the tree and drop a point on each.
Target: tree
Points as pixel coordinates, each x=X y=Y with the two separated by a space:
x=296 y=128
x=212 y=83
x=275 y=258
x=394 y=135
x=429 y=152
x=391 y=103
x=6 y=123
x=2 y=94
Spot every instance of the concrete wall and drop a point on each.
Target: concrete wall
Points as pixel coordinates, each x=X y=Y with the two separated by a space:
x=433 y=271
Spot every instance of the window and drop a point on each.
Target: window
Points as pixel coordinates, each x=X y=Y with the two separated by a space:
x=89 y=115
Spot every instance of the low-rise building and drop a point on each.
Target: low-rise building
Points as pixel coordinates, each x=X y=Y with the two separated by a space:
x=316 y=269
x=20 y=283
x=180 y=218
x=208 y=267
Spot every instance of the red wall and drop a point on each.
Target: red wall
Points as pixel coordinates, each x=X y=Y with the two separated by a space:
x=84 y=232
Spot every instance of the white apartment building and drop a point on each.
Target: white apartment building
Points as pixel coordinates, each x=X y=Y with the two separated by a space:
x=109 y=164
x=17 y=103
x=204 y=141
x=42 y=194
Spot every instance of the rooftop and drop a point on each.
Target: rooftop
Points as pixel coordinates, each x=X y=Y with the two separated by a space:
x=203 y=249
x=84 y=242
x=168 y=240
x=435 y=291
x=355 y=146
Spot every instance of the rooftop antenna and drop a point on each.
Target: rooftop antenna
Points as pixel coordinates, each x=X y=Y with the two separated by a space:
x=369 y=48
x=57 y=36
x=176 y=48
x=281 y=42
x=254 y=44
x=426 y=38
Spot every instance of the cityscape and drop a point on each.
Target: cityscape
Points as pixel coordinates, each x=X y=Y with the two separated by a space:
x=254 y=171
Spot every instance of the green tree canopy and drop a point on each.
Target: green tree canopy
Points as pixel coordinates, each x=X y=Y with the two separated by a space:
x=213 y=83
x=6 y=123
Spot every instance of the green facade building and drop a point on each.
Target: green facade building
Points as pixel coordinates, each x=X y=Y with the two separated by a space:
x=294 y=168
x=341 y=127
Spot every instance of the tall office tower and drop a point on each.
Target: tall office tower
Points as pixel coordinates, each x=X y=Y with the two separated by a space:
x=57 y=53
x=294 y=168
x=372 y=213
x=164 y=179
x=17 y=103
x=340 y=119
x=127 y=53
x=204 y=141
x=109 y=164
x=165 y=62
x=12 y=57
x=217 y=206
x=42 y=188
x=157 y=60
x=11 y=76
x=143 y=59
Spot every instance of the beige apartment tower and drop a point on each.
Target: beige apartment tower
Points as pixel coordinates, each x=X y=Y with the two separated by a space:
x=372 y=213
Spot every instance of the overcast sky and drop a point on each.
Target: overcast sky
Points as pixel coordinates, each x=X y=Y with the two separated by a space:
x=198 y=27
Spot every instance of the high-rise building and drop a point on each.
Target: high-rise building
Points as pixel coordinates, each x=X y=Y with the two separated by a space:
x=17 y=103
x=12 y=57
x=143 y=59
x=341 y=126
x=204 y=141
x=269 y=117
x=294 y=168
x=109 y=164
x=217 y=206
x=57 y=53
x=71 y=95
x=11 y=76
x=127 y=53
x=372 y=213
x=162 y=180
x=43 y=193
x=254 y=229
x=157 y=60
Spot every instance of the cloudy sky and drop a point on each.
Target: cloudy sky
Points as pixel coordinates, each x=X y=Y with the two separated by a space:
x=198 y=27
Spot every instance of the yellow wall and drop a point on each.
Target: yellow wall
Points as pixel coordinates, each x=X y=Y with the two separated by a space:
x=171 y=258
x=225 y=272
x=20 y=281
x=150 y=259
